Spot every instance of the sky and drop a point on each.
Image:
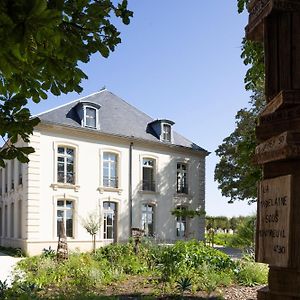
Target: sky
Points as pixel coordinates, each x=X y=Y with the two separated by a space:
x=179 y=60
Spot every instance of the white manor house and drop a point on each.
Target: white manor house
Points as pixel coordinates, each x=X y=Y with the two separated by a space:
x=101 y=155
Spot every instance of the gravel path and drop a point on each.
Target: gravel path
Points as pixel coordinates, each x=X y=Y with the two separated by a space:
x=7 y=264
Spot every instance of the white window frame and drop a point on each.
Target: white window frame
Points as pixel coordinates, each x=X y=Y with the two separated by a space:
x=164 y=133
x=57 y=184
x=85 y=116
x=180 y=221
x=186 y=171
x=65 y=197
x=155 y=172
x=114 y=220
x=103 y=188
x=146 y=212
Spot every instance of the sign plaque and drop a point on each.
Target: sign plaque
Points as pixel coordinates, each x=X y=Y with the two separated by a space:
x=273 y=221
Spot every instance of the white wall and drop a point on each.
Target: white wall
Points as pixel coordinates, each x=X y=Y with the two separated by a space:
x=40 y=192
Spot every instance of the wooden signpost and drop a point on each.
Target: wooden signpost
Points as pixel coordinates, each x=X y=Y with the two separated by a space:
x=276 y=23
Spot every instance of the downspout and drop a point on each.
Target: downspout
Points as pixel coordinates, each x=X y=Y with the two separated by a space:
x=130 y=188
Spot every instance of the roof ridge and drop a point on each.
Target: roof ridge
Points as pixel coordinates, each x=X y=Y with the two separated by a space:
x=57 y=107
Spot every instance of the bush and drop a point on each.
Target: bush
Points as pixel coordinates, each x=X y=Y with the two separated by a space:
x=250 y=273
x=245 y=234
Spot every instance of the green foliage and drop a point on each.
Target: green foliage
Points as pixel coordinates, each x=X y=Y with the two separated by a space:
x=185 y=257
x=184 y=284
x=249 y=273
x=15 y=252
x=42 y=42
x=235 y=173
x=178 y=212
x=183 y=266
x=3 y=289
x=244 y=237
x=242 y=4
x=50 y=253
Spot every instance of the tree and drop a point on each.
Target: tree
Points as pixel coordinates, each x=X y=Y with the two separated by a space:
x=92 y=225
x=235 y=173
x=42 y=42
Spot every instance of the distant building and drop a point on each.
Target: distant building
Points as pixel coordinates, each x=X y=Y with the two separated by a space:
x=100 y=154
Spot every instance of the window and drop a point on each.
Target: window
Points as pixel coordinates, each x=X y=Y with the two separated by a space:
x=5 y=221
x=1 y=171
x=20 y=173
x=65 y=165
x=148 y=174
x=12 y=222
x=64 y=215
x=181 y=224
x=148 y=219
x=20 y=212
x=90 y=117
x=12 y=174
x=109 y=220
x=6 y=178
x=1 y=220
x=110 y=172
x=182 y=186
x=166 y=132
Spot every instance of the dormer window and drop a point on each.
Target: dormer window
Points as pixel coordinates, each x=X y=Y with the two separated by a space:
x=90 y=119
x=166 y=132
x=162 y=129
x=88 y=114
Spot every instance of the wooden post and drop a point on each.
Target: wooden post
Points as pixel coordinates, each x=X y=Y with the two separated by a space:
x=62 y=246
x=276 y=23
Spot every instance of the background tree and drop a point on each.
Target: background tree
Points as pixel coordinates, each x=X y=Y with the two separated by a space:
x=42 y=42
x=235 y=173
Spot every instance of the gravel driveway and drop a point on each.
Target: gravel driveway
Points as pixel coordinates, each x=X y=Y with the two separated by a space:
x=7 y=264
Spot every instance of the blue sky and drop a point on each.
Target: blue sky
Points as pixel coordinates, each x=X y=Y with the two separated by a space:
x=178 y=60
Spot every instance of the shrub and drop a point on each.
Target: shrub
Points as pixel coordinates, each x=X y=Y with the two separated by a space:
x=250 y=273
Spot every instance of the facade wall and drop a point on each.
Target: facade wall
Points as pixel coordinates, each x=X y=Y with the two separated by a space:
x=40 y=192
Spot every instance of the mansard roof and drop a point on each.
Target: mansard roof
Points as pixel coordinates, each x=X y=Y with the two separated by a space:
x=116 y=117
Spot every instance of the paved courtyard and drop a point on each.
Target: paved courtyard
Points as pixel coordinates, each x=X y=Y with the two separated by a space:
x=7 y=264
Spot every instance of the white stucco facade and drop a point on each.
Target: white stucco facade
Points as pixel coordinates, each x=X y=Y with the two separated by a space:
x=29 y=207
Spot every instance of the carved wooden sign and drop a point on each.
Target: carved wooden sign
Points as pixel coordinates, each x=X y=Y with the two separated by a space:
x=283 y=146
x=277 y=122
x=285 y=98
x=260 y=9
x=273 y=221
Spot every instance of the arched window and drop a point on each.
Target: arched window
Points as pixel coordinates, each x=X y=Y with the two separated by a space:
x=181 y=223
x=65 y=214
x=65 y=164
x=182 y=186
x=148 y=174
x=109 y=220
x=148 y=219
x=110 y=169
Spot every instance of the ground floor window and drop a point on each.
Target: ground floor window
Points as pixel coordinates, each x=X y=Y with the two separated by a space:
x=109 y=220
x=181 y=224
x=65 y=214
x=20 y=219
x=12 y=220
x=1 y=221
x=5 y=221
x=148 y=219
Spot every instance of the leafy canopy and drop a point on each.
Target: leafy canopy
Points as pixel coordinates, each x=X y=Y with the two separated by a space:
x=42 y=42
x=235 y=173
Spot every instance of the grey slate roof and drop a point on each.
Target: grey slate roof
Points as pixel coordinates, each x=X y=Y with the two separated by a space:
x=116 y=117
